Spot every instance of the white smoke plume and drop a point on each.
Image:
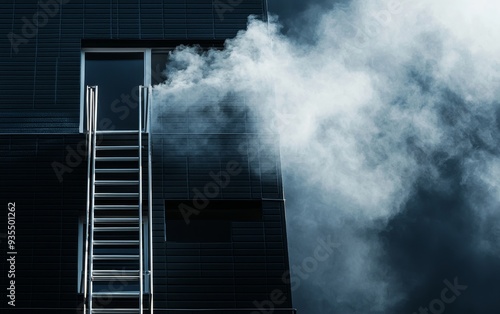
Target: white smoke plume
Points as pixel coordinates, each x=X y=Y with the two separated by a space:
x=370 y=100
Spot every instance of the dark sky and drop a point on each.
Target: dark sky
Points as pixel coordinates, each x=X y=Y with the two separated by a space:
x=429 y=243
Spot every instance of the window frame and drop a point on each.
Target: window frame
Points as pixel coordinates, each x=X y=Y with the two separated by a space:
x=147 y=72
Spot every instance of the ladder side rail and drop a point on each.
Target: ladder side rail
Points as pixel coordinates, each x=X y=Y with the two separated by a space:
x=150 y=201
x=141 y=288
x=89 y=140
x=94 y=129
x=145 y=109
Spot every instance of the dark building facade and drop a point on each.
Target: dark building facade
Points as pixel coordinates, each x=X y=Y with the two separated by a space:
x=217 y=204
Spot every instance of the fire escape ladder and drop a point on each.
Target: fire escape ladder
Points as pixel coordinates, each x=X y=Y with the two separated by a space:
x=117 y=272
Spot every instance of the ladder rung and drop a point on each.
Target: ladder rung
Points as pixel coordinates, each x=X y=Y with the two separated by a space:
x=118 y=294
x=116 y=220
x=108 y=229
x=117 y=170
x=116 y=242
x=117 y=147
x=116 y=257
x=113 y=272
x=116 y=194
x=116 y=182
x=111 y=311
x=102 y=275
x=119 y=132
x=114 y=277
x=117 y=158
x=115 y=207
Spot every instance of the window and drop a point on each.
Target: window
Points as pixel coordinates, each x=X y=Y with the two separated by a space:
x=231 y=210
x=118 y=73
x=212 y=223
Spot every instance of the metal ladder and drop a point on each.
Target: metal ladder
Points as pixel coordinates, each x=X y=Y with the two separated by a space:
x=115 y=270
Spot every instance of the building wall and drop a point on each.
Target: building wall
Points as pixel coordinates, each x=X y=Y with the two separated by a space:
x=247 y=266
x=40 y=75
x=39 y=121
x=46 y=213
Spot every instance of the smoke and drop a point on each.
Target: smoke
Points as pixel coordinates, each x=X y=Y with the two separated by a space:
x=374 y=101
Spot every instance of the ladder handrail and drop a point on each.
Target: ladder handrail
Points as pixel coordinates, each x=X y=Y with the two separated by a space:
x=91 y=101
x=143 y=124
x=84 y=279
x=141 y=257
x=91 y=115
x=94 y=143
x=150 y=201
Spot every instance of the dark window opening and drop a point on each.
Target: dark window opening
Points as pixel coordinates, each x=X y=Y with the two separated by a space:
x=228 y=210
x=198 y=231
x=118 y=76
x=114 y=56
x=212 y=222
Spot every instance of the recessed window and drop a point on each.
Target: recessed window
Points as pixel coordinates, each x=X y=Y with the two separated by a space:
x=190 y=221
x=198 y=231
x=229 y=210
x=118 y=73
